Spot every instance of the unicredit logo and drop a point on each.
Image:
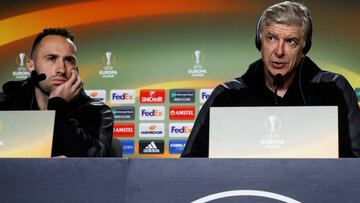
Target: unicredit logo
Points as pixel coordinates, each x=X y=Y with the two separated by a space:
x=152 y=96
x=182 y=113
x=124 y=130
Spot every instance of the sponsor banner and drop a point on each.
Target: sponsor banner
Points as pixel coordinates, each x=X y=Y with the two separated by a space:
x=204 y=94
x=97 y=94
x=357 y=90
x=151 y=146
x=180 y=129
x=151 y=113
x=176 y=146
x=151 y=130
x=124 y=130
x=182 y=96
x=152 y=96
x=123 y=112
x=122 y=96
x=182 y=112
x=128 y=146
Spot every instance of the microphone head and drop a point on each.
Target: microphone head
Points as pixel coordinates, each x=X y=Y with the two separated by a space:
x=41 y=77
x=35 y=78
x=278 y=79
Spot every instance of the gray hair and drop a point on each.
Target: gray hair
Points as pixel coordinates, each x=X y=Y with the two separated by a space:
x=288 y=13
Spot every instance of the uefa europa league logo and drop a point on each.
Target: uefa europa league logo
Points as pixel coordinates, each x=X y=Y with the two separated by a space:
x=108 y=60
x=21 y=72
x=197 y=70
x=272 y=139
x=273 y=123
x=197 y=57
x=108 y=70
x=22 y=62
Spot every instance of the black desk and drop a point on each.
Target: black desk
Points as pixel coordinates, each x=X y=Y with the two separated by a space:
x=178 y=180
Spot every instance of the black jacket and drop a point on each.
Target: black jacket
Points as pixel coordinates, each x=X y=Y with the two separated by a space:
x=83 y=127
x=311 y=86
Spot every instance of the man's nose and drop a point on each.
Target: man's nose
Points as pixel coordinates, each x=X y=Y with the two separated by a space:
x=60 y=67
x=280 y=48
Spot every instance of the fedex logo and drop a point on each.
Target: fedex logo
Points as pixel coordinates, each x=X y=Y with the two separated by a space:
x=124 y=130
x=152 y=113
x=182 y=113
x=180 y=129
x=122 y=96
x=204 y=95
x=97 y=94
x=152 y=96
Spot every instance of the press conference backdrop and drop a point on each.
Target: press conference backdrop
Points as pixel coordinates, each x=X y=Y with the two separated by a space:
x=156 y=62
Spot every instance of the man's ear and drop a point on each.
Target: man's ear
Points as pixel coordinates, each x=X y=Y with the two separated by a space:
x=30 y=66
x=77 y=69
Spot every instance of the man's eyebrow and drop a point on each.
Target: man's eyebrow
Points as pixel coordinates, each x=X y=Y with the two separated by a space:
x=70 y=57
x=270 y=33
x=51 y=54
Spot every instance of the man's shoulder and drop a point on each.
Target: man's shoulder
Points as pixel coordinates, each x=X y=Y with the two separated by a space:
x=235 y=84
x=11 y=86
x=327 y=76
x=331 y=77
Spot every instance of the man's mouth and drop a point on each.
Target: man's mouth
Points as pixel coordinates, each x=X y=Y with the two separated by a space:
x=277 y=64
x=59 y=81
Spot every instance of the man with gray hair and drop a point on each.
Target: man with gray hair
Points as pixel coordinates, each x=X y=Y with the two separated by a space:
x=284 y=76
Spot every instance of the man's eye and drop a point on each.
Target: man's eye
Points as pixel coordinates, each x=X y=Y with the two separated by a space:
x=270 y=38
x=71 y=61
x=291 y=42
x=51 y=58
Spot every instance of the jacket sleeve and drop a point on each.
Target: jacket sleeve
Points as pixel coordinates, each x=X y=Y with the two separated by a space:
x=353 y=113
x=197 y=144
x=88 y=133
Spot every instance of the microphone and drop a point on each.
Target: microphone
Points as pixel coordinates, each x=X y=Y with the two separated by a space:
x=277 y=81
x=35 y=78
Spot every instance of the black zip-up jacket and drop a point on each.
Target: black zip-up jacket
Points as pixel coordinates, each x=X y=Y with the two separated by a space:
x=311 y=86
x=83 y=127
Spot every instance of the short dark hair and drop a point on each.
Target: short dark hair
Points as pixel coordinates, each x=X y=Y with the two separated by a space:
x=51 y=31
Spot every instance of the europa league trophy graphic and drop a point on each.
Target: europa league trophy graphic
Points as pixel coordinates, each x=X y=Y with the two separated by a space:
x=22 y=62
x=272 y=125
x=21 y=72
x=108 y=70
x=197 y=59
x=197 y=70
x=108 y=61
